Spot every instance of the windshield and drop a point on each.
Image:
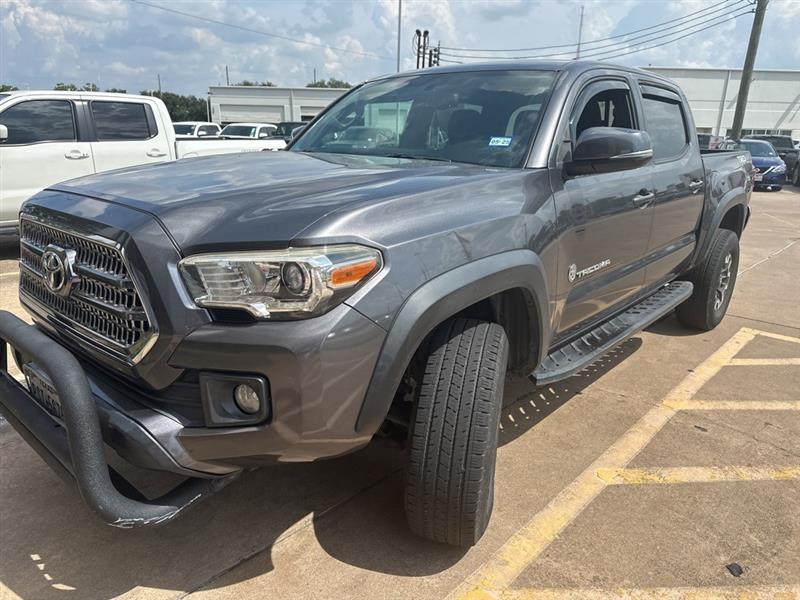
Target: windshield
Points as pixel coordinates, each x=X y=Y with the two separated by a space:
x=285 y=129
x=758 y=148
x=184 y=129
x=480 y=117
x=242 y=130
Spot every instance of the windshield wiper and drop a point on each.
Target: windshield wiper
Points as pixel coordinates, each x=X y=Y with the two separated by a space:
x=416 y=157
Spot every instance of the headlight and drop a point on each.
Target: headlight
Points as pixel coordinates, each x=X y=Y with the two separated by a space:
x=281 y=284
x=780 y=168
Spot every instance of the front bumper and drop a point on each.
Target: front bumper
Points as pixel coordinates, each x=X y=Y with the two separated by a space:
x=770 y=178
x=74 y=446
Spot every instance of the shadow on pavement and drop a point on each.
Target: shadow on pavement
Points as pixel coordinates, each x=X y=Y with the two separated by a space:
x=52 y=543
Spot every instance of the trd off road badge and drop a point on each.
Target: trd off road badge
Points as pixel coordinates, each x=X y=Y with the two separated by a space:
x=574 y=274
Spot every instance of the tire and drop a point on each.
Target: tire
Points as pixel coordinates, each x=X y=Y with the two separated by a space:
x=449 y=479
x=714 y=281
x=796 y=174
x=777 y=188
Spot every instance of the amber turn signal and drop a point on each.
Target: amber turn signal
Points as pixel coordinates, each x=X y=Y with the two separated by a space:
x=350 y=275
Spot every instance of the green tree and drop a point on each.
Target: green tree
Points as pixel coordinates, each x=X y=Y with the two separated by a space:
x=4 y=87
x=182 y=108
x=249 y=83
x=71 y=87
x=117 y=91
x=331 y=83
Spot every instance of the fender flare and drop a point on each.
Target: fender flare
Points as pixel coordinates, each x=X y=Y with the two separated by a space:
x=439 y=299
x=734 y=197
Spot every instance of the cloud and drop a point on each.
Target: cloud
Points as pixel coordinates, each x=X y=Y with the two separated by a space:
x=127 y=45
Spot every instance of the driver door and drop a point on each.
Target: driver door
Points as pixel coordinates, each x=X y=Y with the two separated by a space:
x=604 y=219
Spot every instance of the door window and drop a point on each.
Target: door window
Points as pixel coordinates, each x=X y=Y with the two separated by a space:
x=39 y=121
x=666 y=125
x=119 y=121
x=608 y=108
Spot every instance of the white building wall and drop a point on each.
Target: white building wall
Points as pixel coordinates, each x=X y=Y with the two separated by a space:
x=773 y=104
x=268 y=104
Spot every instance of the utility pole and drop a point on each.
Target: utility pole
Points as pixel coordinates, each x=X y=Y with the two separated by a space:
x=159 y=83
x=747 y=71
x=227 y=76
x=399 y=30
x=315 y=75
x=424 y=46
x=580 y=33
x=417 y=43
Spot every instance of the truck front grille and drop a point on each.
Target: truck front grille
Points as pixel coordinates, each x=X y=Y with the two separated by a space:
x=102 y=305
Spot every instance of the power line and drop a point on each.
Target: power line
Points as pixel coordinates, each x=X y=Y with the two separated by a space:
x=601 y=50
x=613 y=37
x=258 y=32
x=747 y=12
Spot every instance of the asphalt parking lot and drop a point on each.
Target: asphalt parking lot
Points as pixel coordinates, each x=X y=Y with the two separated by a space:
x=670 y=469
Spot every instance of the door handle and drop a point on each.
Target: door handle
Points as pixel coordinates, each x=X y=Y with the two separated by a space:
x=644 y=198
x=695 y=183
x=76 y=155
x=156 y=153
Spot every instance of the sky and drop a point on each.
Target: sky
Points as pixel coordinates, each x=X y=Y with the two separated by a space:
x=128 y=43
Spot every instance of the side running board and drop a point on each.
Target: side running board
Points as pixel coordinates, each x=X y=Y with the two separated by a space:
x=579 y=354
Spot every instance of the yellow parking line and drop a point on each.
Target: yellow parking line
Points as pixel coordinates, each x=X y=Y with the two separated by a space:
x=758 y=362
x=526 y=545
x=736 y=405
x=774 y=336
x=697 y=475
x=748 y=592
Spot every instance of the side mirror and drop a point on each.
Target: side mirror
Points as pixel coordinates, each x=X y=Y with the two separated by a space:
x=202 y=133
x=297 y=131
x=609 y=149
x=3 y=133
x=264 y=135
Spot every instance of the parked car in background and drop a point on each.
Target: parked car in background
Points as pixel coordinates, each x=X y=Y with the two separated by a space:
x=47 y=137
x=248 y=131
x=784 y=146
x=286 y=128
x=195 y=129
x=770 y=170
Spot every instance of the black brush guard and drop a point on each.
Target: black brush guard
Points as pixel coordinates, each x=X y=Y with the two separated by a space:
x=76 y=450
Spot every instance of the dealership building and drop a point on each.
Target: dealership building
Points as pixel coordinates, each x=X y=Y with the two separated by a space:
x=773 y=105
x=261 y=104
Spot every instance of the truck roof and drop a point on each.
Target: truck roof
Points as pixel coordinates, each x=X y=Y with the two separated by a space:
x=72 y=94
x=574 y=66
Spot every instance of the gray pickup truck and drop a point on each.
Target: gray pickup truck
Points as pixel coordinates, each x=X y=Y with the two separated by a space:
x=219 y=313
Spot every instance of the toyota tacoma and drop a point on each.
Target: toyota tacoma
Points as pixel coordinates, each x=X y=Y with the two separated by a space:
x=219 y=313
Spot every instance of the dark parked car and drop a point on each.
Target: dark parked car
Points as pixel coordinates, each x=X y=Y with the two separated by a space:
x=784 y=146
x=770 y=168
x=285 y=129
x=206 y=316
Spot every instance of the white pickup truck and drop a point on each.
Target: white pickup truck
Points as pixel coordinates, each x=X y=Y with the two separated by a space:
x=48 y=137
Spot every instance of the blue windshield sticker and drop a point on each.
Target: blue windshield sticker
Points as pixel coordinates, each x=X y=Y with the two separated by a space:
x=501 y=142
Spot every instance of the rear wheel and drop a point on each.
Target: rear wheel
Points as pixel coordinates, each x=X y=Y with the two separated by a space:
x=713 y=283
x=453 y=440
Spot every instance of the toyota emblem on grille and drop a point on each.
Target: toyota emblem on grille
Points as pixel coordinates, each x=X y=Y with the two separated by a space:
x=57 y=267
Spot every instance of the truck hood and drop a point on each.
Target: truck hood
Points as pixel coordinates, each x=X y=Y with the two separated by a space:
x=262 y=199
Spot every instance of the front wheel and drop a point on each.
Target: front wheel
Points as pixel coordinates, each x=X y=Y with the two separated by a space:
x=713 y=283
x=453 y=440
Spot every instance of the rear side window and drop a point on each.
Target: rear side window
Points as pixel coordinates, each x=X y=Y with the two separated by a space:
x=115 y=121
x=666 y=125
x=39 y=121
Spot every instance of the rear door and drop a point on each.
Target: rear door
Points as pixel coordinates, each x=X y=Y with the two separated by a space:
x=678 y=180
x=604 y=219
x=127 y=134
x=45 y=146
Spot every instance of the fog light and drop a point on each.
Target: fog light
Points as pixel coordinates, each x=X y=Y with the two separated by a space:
x=247 y=399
